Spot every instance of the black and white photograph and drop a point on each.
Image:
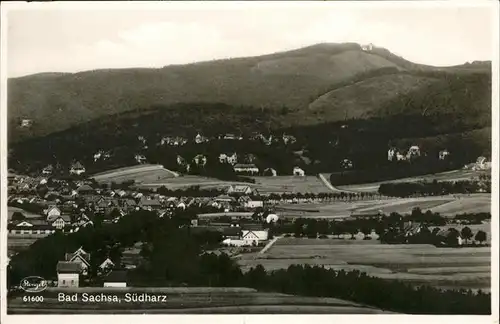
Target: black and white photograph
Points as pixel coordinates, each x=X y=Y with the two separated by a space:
x=250 y=158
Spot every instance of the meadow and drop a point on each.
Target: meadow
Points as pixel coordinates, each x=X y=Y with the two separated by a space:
x=445 y=205
x=290 y=184
x=418 y=263
x=143 y=173
x=455 y=175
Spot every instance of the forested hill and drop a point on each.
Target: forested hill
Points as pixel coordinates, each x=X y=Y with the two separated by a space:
x=313 y=85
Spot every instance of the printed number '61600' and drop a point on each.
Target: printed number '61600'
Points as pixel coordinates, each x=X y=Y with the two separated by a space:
x=32 y=299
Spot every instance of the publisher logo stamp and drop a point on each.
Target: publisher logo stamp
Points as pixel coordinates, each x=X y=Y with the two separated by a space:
x=33 y=284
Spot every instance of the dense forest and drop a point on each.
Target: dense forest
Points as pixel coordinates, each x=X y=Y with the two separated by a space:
x=320 y=148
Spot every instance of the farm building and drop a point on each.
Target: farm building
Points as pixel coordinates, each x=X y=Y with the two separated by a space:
x=246 y=168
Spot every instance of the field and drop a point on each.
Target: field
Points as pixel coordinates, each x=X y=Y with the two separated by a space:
x=264 y=185
x=446 y=205
x=455 y=175
x=290 y=184
x=419 y=264
x=185 y=181
x=196 y=300
x=143 y=173
x=11 y=210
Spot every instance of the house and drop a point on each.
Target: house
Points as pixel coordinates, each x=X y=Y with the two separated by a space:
x=413 y=152
x=180 y=160
x=81 y=257
x=270 y=172
x=226 y=158
x=229 y=137
x=116 y=278
x=48 y=170
x=53 y=213
x=391 y=154
x=85 y=189
x=77 y=168
x=368 y=47
x=482 y=163
x=149 y=204
x=200 y=139
x=140 y=158
x=68 y=274
x=298 y=172
x=26 y=123
x=253 y=204
x=200 y=160
x=246 y=168
x=106 y=264
x=224 y=198
x=254 y=236
x=346 y=164
x=288 y=139
x=240 y=190
x=33 y=226
x=61 y=222
x=443 y=154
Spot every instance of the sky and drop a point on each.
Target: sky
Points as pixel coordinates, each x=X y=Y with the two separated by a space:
x=66 y=39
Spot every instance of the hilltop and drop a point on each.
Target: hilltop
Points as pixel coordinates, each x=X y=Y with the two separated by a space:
x=308 y=86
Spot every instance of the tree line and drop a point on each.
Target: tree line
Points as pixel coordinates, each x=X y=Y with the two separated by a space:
x=433 y=188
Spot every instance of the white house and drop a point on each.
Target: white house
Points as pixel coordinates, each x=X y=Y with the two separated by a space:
x=367 y=47
x=200 y=160
x=443 y=154
x=140 y=158
x=48 y=170
x=61 y=222
x=80 y=257
x=200 y=139
x=106 y=264
x=253 y=237
x=298 y=172
x=253 y=204
x=77 y=168
x=68 y=274
x=413 y=152
x=53 y=213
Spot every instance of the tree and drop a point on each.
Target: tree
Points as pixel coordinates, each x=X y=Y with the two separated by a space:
x=466 y=234
x=481 y=236
x=366 y=232
x=18 y=216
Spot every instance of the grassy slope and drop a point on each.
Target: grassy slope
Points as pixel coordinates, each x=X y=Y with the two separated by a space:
x=297 y=79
